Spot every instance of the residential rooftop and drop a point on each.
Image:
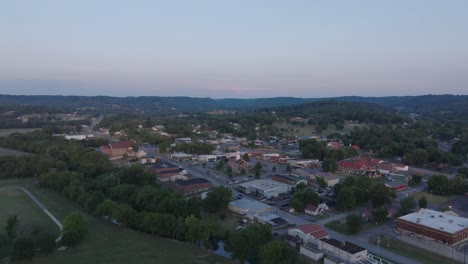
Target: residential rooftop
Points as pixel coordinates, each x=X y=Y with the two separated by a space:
x=437 y=220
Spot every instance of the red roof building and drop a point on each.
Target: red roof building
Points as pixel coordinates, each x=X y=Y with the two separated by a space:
x=358 y=165
x=310 y=233
x=117 y=150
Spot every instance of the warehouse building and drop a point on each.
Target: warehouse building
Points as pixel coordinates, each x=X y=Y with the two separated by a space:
x=441 y=227
x=249 y=208
x=266 y=188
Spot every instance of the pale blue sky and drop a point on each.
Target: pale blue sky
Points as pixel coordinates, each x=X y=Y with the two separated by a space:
x=234 y=48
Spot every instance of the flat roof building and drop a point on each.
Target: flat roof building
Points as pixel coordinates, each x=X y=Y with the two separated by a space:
x=439 y=226
x=249 y=208
x=346 y=251
x=267 y=188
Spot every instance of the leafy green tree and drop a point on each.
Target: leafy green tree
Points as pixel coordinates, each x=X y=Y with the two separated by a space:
x=321 y=182
x=199 y=231
x=288 y=168
x=273 y=169
x=10 y=227
x=246 y=157
x=246 y=244
x=126 y=215
x=257 y=173
x=345 y=199
x=415 y=180
x=353 y=223
x=70 y=238
x=329 y=165
x=92 y=203
x=379 y=214
x=219 y=165
x=242 y=172
x=422 y=202
x=302 y=198
x=106 y=208
x=406 y=205
x=438 y=184
x=46 y=242
x=381 y=195
x=75 y=222
x=217 y=199
x=277 y=252
x=229 y=171
x=23 y=248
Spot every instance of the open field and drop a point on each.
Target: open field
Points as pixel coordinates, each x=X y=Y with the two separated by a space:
x=7 y=131
x=16 y=202
x=108 y=243
x=4 y=152
x=399 y=247
x=432 y=198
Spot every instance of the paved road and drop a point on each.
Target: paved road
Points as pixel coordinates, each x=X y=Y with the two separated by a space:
x=38 y=203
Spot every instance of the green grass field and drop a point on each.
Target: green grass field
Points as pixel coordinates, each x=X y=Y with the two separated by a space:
x=108 y=243
x=7 y=131
x=399 y=247
x=11 y=152
x=432 y=198
x=16 y=202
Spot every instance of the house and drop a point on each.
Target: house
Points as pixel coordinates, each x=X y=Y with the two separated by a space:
x=316 y=209
x=334 y=145
x=329 y=178
x=118 y=150
x=191 y=186
x=310 y=233
x=166 y=171
x=238 y=165
x=345 y=251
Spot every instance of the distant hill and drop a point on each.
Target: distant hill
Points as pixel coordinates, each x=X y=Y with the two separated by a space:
x=453 y=105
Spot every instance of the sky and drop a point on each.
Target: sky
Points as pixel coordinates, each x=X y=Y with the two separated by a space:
x=234 y=49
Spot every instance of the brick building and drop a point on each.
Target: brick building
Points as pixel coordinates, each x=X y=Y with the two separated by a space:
x=434 y=225
x=191 y=186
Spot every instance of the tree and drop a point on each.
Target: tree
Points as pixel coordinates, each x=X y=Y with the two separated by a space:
x=288 y=168
x=246 y=157
x=242 y=172
x=70 y=238
x=321 y=182
x=219 y=165
x=381 y=195
x=415 y=180
x=105 y=208
x=329 y=165
x=46 y=242
x=438 y=184
x=218 y=198
x=302 y=198
x=125 y=215
x=229 y=171
x=245 y=244
x=273 y=169
x=277 y=252
x=407 y=204
x=10 y=227
x=379 y=214
x=257 y=173
x=23 y=248
x=258 y=166
x=353 y=223
x=345 y=199
x=199 y=231
x=92 y=203
x=422 y=202
x=75 y=222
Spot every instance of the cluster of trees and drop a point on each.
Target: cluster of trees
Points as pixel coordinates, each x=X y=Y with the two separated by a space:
x=441 y=185
x=359 y=190
x=313 y=149
x=24 y=246
x=302 y=197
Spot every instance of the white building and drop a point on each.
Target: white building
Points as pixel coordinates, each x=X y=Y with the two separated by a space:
x=345 y=251
x=249 y=208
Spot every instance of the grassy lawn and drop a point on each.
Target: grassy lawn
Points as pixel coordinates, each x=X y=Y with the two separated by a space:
x=410 y=251
x=230 y=221
x=432 y=198
x=11 y=152
x=108 y=243
x=16 y=202
x=338 y=226
x=7 y=131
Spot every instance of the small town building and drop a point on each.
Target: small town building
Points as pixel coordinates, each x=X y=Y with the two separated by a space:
x=396 y=185
x=118 y=150
x=275 y=221
x=310 y=233
x=436 y=226
x=290 y=180
x=181 y=156
x=266 y=188
x=238 y=165
x=191 y=186
x=345 y=251
x=248 y=208
x=316 y=209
